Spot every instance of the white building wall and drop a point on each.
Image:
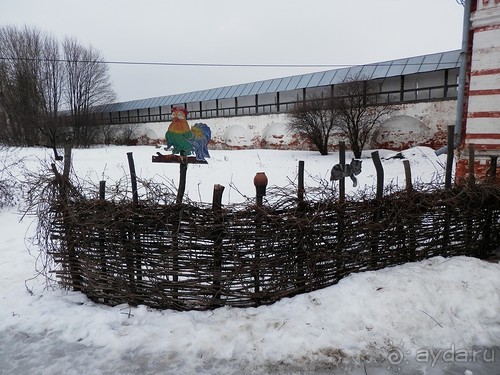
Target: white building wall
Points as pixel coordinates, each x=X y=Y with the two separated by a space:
x=413 y=124
x=483 y=112
x=482 y=115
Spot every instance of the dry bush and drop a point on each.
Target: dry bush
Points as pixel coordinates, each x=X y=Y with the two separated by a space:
x=10 y=165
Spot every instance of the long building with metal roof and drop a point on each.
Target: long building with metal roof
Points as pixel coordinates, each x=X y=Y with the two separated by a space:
x=406 y=75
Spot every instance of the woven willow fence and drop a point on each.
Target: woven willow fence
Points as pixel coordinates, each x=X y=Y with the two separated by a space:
x=191 y=256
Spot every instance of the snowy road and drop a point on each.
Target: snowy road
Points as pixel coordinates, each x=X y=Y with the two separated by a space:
x=47 y=355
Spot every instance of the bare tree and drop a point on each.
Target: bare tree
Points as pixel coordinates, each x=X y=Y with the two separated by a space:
x=315 y=120
x=52 y=83
x=43 y=97
x=31 y=80
x=352 y=111
x=88 y=85
x=357 y=112
x=20 y=72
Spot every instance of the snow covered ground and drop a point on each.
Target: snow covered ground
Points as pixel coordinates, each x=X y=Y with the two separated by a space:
x=438 y=316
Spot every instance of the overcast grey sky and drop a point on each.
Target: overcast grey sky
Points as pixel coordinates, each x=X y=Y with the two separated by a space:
x=239 y=32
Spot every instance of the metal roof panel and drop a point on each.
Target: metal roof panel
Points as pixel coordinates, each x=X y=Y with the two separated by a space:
x=283 y=84
x=197 y=96
x=217 y=93
x=294 y=82
x=341 y=75
x=397 y=67
x=367 y=71
x=274 y=85
x=413 y=65
x=231 y=91
x=327 y=78
x=315 y=79
x=417 y=64
x=256 y=87
x=246 y=90
x=239 y=89
x=304 y=80
x=224 y=92
x=265 y=86
x=449 y=60
x=430 y=62
x=204 y=95
x=354 y=72
x=380 y=70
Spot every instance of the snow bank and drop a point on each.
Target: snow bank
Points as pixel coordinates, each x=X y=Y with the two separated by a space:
x=434 y=304
x=378 y=322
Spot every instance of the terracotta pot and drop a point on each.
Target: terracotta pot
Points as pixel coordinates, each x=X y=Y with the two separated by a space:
x=260 y=182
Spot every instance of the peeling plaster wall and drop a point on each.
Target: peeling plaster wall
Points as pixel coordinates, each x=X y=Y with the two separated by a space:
x=422 y=124
x=263 y=131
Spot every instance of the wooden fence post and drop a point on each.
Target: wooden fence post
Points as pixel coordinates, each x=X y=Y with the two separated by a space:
x=301 y=211
x=182 y=178
x=449 y=156
x=217 y=233
x=260 y=182
x=412 y=242
x=341 y=212
x=102 y=190
x=448 y=185
x=132 y=251
x=377 y=214
x=300 y=190
x=68 y=147
x=471 y=180
x=409 y=183
x=71 y=257
x=380 y=174
x=342 y=166
x=133 y=177
x=177 y=223
x=102 y=243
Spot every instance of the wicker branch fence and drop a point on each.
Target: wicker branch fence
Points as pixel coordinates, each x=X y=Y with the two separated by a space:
x=197 y=256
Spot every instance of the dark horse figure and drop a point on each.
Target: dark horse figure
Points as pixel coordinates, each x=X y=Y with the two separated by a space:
x=350 y=170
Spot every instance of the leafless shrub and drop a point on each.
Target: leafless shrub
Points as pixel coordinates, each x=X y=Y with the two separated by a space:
x=126 y=134
x=315 y=120
x=357 y=111
x=10 y=165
